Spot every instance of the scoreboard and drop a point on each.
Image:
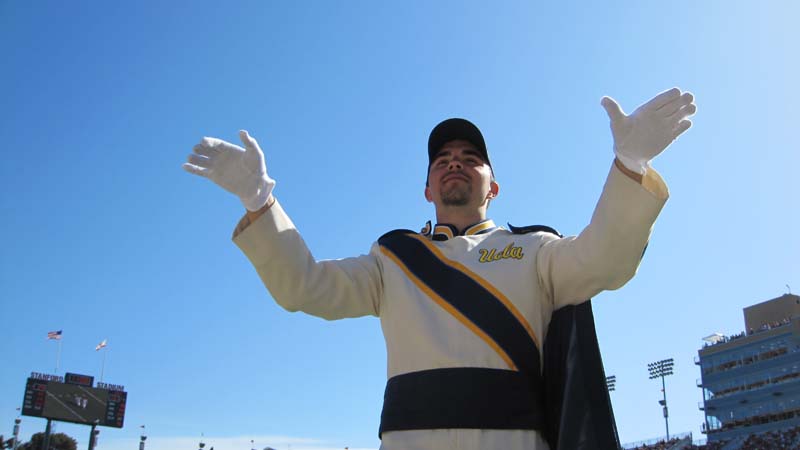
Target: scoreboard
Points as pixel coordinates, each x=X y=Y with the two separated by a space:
x=74 y=401
x=35 y=395
x=115 y=412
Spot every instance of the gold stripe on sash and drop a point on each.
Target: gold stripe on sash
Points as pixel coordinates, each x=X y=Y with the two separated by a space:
x=485 y=284
x=450 y=309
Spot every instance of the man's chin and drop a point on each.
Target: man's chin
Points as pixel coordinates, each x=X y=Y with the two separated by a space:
x=456 y=196
x=455 y=201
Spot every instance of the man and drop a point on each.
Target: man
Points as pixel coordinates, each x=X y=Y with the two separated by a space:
x=464 y=306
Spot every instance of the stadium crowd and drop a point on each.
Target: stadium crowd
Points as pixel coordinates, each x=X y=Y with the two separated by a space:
x=747 y=360
x=788 y=439
x=757 y=420
x=777 y=440
x=660 y=445
x=770 y=325
x=756 y=385
x=766 y=326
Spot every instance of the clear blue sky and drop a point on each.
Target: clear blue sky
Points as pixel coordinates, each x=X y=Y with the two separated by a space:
x=104 y=236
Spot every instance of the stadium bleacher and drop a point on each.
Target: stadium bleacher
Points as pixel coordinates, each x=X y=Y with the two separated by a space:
x=788 y=439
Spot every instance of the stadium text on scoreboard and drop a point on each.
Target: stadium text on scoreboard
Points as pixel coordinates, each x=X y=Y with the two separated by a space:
x=46 y=377
x=110 y=387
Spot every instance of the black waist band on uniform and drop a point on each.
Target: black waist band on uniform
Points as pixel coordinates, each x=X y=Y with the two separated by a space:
x=476 y=398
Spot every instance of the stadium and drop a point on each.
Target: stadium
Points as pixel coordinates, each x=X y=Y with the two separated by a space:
x=750 y=384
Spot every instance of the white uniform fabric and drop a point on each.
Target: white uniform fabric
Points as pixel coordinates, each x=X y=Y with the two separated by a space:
x=539 y=273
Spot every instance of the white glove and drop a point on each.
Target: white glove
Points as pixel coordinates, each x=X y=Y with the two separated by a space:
x=238 y=170
x=643 y=135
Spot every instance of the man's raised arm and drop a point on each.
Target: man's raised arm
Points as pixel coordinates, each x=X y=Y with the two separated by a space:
x=349 y=287
x=606 y=254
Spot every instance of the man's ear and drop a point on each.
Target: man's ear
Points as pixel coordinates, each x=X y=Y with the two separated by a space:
x=494 y=190
x=428 y=195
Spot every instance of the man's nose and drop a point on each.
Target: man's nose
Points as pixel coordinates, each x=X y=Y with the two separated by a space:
x=454 y=165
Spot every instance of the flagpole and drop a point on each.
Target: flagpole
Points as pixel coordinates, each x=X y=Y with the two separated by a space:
x=103 y=367
x=58 y=356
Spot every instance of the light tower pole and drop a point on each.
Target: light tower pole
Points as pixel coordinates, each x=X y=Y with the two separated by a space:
x=93 y=435
x=662 y=369
x=15 y=438
x=142 y=438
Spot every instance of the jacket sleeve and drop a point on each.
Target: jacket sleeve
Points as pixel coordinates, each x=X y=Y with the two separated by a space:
x=606 y=254
x=331 y=289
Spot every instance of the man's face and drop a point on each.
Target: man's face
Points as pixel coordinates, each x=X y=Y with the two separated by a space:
x=459 y=176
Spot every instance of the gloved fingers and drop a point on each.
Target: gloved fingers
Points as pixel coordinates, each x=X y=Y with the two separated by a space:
x=676 y=105
x=250 y=143
x=684 y=112
x=612 y=108
x=682 y=126
x=662 y=99
x=200 y=161
x=213 y=145
x=211 y=142
x=197 y=170
x=205 y=150
x=681 y=115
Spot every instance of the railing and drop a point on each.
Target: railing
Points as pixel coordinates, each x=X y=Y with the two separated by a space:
x=761 y=384
x=677 y=437
x=757 y=421
x=750 y=359
x=681 y=444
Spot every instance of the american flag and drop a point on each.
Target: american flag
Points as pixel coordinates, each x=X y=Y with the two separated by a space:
x=54 y=335
x=101 y=345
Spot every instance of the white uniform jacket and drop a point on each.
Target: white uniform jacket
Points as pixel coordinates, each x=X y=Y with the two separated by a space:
x=531 y=274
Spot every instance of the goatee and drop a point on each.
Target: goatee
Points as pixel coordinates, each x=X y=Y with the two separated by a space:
x=456 y=196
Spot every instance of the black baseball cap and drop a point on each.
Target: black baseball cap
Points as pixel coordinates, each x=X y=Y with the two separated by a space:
x=452 y=129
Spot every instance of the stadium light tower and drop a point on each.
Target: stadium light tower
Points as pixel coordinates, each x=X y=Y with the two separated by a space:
x=93 y=434
x=15 y=436
x=662 y=369
x=611 y=383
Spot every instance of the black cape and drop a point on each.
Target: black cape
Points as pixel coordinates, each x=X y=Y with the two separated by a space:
x=578 y=412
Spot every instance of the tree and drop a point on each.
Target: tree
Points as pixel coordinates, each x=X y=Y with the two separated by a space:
x=58 y=441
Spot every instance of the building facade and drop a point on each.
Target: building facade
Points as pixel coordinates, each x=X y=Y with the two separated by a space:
x=751 y=381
